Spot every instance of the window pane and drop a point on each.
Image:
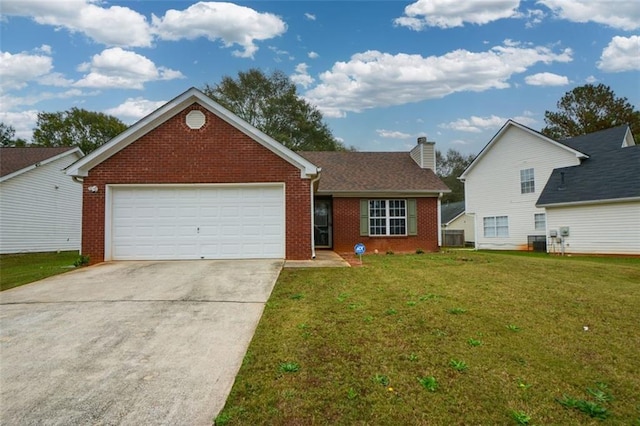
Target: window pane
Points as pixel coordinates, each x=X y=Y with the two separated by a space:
x=502 y=226
x=377 y=226
x=527 y=181
x=397 y=226
x=540 y=221
x=489 y=226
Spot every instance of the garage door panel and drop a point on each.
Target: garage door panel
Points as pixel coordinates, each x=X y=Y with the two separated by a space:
x=194 y=223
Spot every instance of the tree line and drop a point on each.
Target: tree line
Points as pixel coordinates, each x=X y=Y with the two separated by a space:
x=271 y=103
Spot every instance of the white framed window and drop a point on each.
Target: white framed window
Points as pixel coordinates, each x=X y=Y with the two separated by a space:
x=540 y=221
x=527 y=181
x=496 y=226
x=387 y=217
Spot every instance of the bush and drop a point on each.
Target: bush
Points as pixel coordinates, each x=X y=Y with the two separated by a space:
x=82 y=260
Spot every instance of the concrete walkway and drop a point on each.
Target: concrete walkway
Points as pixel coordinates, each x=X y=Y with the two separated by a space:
x=324 y=259
x=129 y=343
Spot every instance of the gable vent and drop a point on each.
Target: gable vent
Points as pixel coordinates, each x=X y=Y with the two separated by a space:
x=195 y=119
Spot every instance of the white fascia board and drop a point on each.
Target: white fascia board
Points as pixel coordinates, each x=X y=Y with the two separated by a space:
x=588 y=202
x=454 y=219
x=43 y=163
x=503 y=130
x=170 y=109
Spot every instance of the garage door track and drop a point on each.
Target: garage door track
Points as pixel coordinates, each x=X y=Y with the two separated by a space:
x=129 y=343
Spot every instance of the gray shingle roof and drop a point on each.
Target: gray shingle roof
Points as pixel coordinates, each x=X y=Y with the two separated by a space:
x=17 y=158
x=371 y=172
x=450 y=211
x=611 y=172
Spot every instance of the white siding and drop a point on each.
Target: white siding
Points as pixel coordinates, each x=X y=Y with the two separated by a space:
x=492 y=187
x=598 y=228
x=41 y=210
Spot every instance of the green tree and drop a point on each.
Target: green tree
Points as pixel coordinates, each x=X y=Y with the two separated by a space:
x=448 y=168
x=76 y=127
x=587 y=109
x=271 y=104
x=8 y=136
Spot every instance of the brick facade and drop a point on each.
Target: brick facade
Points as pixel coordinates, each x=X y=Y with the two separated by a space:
x=216 y=153
x=346 y=229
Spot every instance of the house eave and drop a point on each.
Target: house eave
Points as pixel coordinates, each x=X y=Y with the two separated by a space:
x=170 y=109
x=42 y=163
x=383 y=193
x=498 y=135
x=589 y=202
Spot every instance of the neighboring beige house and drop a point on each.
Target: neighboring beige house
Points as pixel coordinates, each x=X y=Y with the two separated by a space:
x=40 y=206
x=457 y=227
x=513 y=191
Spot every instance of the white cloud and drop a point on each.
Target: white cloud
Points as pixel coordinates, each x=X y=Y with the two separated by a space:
x=16 y=70
x=310 y=16
x=476 y=124
x=392 y=134
x=591 y=79
x=621 y=54
x=301 y=76
x=313 y=55
x=118 y=68
x=23 y=122
x=455 y=13
x=546 y=79
x=228 y=22
x=134 y=109
x=373 y=79
x=115 y=26
x=621 y=14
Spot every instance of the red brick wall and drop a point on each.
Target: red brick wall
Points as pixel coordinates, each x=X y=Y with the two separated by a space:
x=216 y=153
x=346 y=229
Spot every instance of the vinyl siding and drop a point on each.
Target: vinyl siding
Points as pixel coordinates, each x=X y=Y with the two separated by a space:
x=492 y=187
x=35 y=216
x=598 y=228
x=464 y=223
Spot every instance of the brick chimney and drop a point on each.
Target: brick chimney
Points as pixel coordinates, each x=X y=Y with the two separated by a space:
x=424 y=153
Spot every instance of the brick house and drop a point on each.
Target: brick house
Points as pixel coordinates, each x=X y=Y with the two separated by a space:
x=194 y=181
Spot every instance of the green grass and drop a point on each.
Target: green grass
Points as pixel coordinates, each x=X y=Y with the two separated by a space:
x=19 y=269
x=388 y=362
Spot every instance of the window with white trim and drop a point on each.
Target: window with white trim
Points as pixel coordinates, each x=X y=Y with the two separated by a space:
x=496 y=226
x=540 y=221
x=527 y=181
x=387 y=217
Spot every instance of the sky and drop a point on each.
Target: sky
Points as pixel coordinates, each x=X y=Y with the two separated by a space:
x=383 y=73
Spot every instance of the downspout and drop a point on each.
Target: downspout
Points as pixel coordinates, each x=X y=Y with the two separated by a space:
x=439 y=220
x=313 y=225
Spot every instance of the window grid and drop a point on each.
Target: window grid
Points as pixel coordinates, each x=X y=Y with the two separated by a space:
x=387 y=217
x=496 y=226
x=540 y=221
x=527 y=181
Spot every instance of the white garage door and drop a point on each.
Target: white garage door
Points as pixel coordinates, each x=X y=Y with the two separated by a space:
x=223 y=222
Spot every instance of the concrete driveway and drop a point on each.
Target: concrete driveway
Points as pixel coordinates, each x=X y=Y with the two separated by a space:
x=132 y=343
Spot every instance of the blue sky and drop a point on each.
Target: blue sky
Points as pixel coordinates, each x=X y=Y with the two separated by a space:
x=382 y=72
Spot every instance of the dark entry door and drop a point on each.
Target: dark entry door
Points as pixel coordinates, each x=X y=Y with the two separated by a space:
x=322 y=223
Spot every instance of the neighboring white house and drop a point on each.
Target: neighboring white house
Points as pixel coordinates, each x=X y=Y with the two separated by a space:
x=595 y=207
x=40 y=206
x=513 y=190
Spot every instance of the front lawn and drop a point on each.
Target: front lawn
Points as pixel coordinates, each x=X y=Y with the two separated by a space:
x=19 y=269
x=447 y=339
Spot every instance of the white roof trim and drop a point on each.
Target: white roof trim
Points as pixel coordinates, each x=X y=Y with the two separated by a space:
x=503 y=130
x=459 y=215
x=75 y=150
x=587 y=202
x=170 y=109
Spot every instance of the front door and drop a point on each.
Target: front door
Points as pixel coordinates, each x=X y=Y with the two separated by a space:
x=322 y=222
